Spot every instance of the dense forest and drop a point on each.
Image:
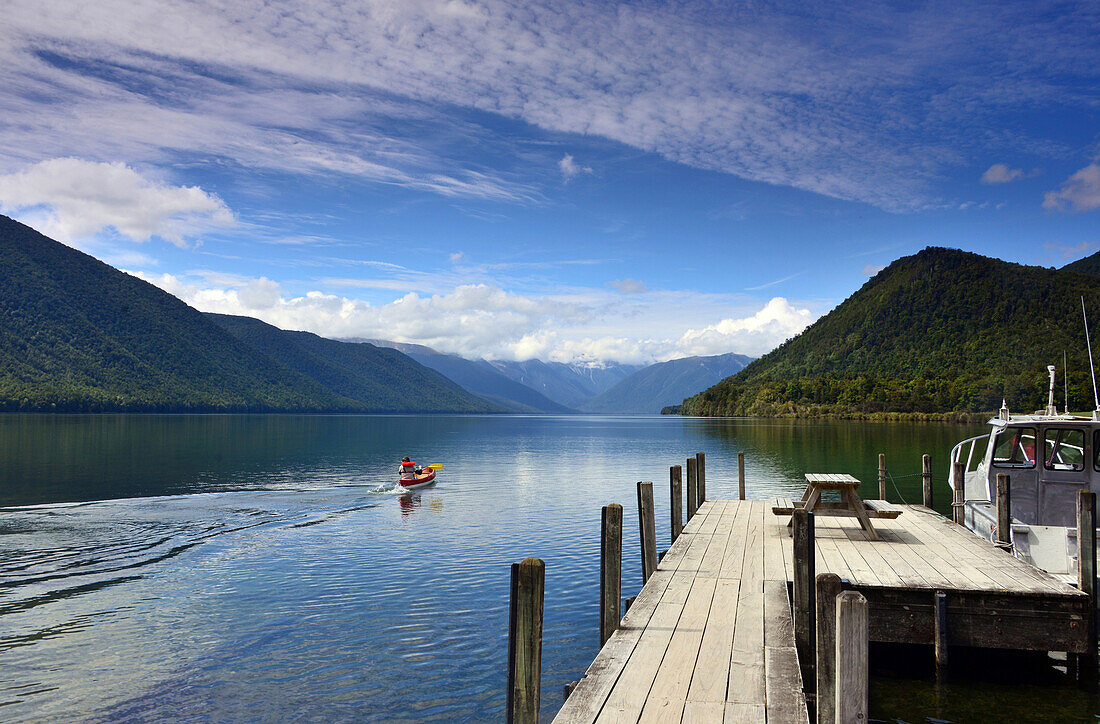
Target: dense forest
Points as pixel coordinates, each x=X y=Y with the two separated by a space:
x=77 y=335
x=938 y=332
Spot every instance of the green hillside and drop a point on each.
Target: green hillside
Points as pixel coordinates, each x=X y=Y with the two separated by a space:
x=1088 y=265
x=77 y=335
x=381 y=379
x=940 y=331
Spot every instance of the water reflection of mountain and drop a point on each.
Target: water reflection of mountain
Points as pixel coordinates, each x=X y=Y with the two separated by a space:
x=783 y=450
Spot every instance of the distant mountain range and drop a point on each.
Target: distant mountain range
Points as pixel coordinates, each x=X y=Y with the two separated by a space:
x=78 y=335
x=942 y=330
x=665 y=384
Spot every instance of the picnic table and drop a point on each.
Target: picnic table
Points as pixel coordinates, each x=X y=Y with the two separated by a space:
x=850 y=502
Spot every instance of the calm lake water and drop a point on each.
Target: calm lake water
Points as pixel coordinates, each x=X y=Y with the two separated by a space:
x=251 y=568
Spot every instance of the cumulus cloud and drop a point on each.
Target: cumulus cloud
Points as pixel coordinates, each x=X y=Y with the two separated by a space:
x=629 y=286
x=872 y=269
x=484 y=321
x=775 y=323
x=1000 y=173
x=570 y=169
x=70 y=198
x=1080 y=192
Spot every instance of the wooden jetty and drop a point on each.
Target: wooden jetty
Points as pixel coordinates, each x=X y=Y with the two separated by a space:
x=733 y=624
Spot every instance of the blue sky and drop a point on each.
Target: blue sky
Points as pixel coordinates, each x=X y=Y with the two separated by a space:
x=567 y=181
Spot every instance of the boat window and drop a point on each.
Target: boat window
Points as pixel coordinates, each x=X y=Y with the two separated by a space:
x=1015 y=448
x=1063 y=449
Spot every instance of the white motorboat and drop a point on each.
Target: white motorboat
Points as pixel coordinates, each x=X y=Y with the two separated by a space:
x=1048 y=457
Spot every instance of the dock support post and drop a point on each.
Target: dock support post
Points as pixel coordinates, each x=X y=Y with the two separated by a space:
x=941 y=635
x=741 y=476
x=611 y=570
x=958 y=506
x=676 y=495
x=882 y=476
x=525 y=641
x=693 y=489
x=701 y=475
x=828 y=588
x=647 y=530
x=1086 y=577
x=803 y=534
x=1004 y=512
x=926 y=479
x=851 y=658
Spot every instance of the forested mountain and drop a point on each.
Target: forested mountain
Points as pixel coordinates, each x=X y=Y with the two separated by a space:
x=566 y=384
x=942 y=330
x=667 y=383
x=479 y=378
x=78 y=335
x=1088 y=265
x=383 y=378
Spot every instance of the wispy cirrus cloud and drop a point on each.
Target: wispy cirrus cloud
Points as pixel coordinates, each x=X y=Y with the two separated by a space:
x=852 y=101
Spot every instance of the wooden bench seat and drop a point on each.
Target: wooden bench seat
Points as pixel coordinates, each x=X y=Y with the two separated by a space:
x=782 y=506
x=882 y=509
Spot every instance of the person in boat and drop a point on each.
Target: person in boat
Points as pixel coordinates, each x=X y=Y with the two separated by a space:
x=409 y=469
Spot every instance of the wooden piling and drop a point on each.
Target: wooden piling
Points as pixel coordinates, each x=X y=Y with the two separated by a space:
x=1004 y=512
x=882 y=476
x=850 y=698
x=693 y=489
x=940 y=634
x=802 y=534
x=926 y=479
x=828 y=588
x=1086 y=577
x=701 y=475
x=647 y=530
x=676 y=499
x=741 y=475
x=958 y=508
x=611 y=570
x=525 y=641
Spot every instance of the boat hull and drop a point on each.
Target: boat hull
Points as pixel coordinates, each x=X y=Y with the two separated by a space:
x=420 y=481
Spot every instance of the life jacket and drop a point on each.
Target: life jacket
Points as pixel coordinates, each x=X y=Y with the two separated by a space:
x=408 y=470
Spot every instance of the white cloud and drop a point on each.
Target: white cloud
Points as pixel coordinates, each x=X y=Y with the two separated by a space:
x=1080 y=192
x=1000 y=173
x=763 y=331
x=570 y=169
x=843 y=107
x=69 y=198
x=629 y=286
x=872 y=269
x=480 y=320
x=458 y=257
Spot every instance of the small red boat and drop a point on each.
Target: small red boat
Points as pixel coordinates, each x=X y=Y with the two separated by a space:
x=416 y=482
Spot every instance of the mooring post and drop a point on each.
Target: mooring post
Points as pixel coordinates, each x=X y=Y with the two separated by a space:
x=941 y=635
x=1086 y=577
x=611 y=570
x=1004 y=512
x=882 y=476
x=676 y=495
x=701 y=475
x=926 y=478
x=693 y=489
x=525 y=641
x=740 y=476
x=850 y=701
x=803 y=535
x=958 y=505
x=828 y=588
x=647 y=530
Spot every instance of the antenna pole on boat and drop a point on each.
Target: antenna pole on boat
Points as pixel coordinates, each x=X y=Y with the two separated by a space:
x=1051 y=409
x=1065 y=379
x=1092 y=369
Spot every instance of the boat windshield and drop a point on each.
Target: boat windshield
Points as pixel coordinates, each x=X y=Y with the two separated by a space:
x=1015 y=448
x=1063 y=449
